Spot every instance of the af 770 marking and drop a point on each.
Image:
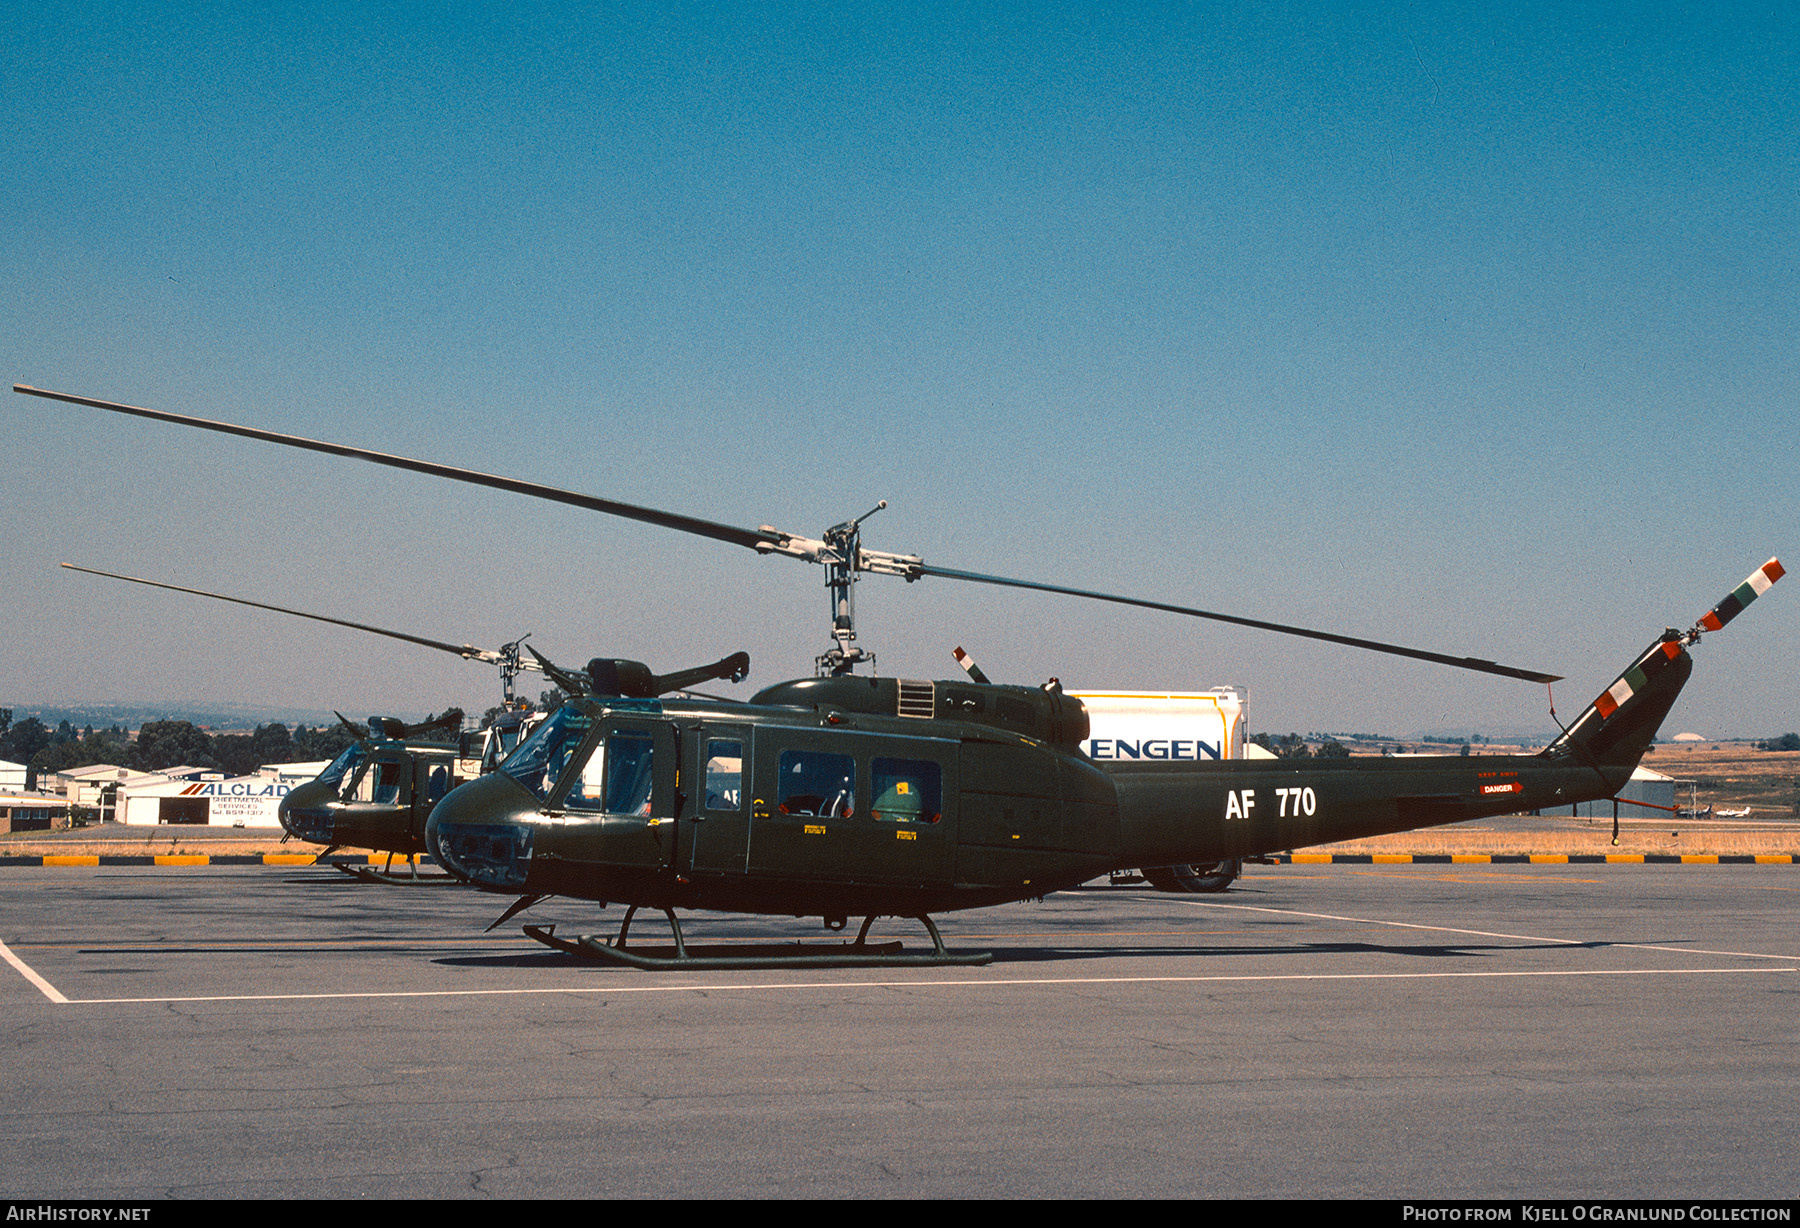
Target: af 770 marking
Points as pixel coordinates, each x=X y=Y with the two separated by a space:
x=1302 y=797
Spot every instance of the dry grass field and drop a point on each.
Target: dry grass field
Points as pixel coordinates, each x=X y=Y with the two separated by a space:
x=1734 y=774
x=118 y=840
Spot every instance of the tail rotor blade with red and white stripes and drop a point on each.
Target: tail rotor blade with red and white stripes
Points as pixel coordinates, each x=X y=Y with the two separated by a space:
x=1754 y=586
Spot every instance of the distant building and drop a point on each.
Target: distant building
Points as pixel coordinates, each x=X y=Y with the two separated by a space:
x=22 y=811
x=96 y=786
x=12 y=775
x=183 y=794
x=187 y=771
x=241 y=801
x=1645 y=785
x=294 y=773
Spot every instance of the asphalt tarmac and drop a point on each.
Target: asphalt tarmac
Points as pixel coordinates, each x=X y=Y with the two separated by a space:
x=1394 y=1031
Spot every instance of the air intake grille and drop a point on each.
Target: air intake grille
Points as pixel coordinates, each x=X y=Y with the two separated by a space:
x=917 y=698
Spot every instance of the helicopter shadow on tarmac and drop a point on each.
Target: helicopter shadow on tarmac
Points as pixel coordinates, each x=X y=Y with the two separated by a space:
x=1021 y=955
x=316 y=877
x=1082 y=929
x=1080 y=926
x=723 y=943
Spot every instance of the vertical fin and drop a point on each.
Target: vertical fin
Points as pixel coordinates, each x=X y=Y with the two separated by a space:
x=1619 y=726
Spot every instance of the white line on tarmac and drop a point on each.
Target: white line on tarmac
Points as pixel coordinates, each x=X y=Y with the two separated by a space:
x=1446 y=929
x=25 y=970
x=1006 y=983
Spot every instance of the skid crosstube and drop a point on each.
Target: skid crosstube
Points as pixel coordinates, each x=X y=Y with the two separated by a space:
x=858 y=954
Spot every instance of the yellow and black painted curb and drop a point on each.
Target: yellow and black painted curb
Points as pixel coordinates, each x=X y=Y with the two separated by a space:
x=204 y=859
x=1294 y=859
x=1534 y=859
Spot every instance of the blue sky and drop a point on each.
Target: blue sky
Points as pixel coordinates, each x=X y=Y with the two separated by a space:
x=1469 y=328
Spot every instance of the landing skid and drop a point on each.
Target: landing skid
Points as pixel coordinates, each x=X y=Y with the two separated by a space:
x=858 y=954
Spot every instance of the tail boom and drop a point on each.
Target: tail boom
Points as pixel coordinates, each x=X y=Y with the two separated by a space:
x=1196 y=812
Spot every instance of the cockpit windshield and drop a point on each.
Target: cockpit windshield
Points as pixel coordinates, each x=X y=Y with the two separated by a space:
x=541 y=757
x=344 y=764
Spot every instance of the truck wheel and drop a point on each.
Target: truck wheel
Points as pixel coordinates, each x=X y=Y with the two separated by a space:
x=1205 y=878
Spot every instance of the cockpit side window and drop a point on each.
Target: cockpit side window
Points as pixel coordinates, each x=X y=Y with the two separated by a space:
x=618 y=776
x=630 y=769
x=589 y=790
x=380 y=782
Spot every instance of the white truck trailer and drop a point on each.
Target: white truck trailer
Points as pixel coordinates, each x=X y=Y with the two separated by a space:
x=1169 y=725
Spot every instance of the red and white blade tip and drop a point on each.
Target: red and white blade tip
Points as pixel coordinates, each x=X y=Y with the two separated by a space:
x=1754 y=586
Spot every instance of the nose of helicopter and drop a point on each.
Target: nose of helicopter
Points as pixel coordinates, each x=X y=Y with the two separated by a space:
x=482 y=833
x=306 y=814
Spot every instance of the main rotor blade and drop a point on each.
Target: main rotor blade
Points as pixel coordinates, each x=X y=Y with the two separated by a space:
x=467 y=651
x=1419 y=654
x=761 y=540
x=750 y=538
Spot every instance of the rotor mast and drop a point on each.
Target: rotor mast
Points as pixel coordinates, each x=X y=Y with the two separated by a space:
x=840 y=552
x=508 y=659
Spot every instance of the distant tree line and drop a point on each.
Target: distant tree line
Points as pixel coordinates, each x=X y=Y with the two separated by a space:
x=165 y=744
x=1293 y=746
x=1787 y=741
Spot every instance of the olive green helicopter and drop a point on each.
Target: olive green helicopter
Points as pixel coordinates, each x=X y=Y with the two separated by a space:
x=846 y=795
x=378 y=793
